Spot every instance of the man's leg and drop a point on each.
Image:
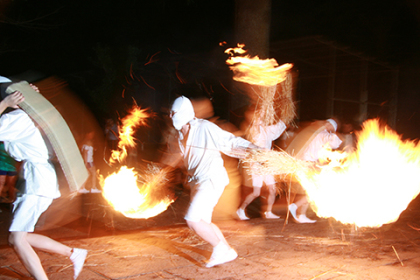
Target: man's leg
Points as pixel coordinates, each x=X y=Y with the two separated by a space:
x=24 y=244
x=271 y=197
x=198 y=218
x=77 y=256
x=92 y=171
x=206 y=231
x=270 y=201
x=296 y=208
x=299 y=214
x=45 y=243
x=249 y=198
x=302 y=205
x=27 y=254
x=222 y=252
x=219 y=234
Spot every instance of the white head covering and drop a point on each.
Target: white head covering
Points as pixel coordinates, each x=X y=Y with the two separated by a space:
x=4 y=80
x=333 y=123
x=183 y=112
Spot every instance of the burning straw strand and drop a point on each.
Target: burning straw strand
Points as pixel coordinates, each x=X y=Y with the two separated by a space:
x=326 y=272
x=395 y=251
x=277 y=163
x=418 y=229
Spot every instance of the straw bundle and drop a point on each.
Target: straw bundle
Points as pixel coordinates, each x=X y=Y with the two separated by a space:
x=276 y=163
x=159 y=179
x=275 y=103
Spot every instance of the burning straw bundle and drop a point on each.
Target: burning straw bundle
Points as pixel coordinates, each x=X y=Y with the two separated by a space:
x=276 y=163
x=138 y=196
x=272 y=85
x=159 y=179
x=276 y=103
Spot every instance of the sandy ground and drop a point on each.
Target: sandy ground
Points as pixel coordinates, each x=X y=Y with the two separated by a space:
x=164 y=248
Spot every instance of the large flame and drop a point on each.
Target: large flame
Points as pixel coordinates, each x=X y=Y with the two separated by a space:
x=255 y=71
x=373 y=185
x=122 y=191
x=135 y=195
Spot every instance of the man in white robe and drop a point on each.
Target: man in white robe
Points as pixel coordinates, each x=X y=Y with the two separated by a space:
x=201 y=142
x=324 y=135
x=262 y=136
x=24 y=142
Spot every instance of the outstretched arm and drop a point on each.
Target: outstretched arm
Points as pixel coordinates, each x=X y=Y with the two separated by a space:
x=242 y=152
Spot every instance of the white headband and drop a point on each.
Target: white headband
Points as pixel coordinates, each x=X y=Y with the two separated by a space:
x=333 y=123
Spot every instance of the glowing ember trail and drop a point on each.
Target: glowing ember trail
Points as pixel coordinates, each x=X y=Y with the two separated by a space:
x=255 y=71
x=135 y=195
x=373 y=185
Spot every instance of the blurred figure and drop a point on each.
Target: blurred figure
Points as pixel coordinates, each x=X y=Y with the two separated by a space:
x=112 y=136
x=8 y=176
x=262 y=136
x=349 y=139
x=203 y=108
x=201 y=143
x=287 y=137
x=87 y=153
x=39 y=187
x=306 y=146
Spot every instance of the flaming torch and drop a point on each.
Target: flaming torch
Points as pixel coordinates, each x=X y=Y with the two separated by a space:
x=273 y=84
x=368 y=188
x=373 y=185
x=135 y=195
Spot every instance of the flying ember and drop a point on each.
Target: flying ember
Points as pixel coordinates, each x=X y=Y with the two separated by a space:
x=373 y=185
x=139 y=195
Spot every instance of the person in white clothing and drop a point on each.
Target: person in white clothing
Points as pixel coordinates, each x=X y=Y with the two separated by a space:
x=201 y=143
x=262 y=136
x=37 y=189
x=87 y=152
x=325 y=136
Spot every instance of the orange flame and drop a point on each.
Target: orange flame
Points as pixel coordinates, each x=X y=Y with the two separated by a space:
x=136 y=117
x=373 y=185
x=255 y=71
x=122 y=192
x=134 y=195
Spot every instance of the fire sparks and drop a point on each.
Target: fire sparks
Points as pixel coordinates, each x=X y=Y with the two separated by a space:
x=135 y=195
x=256 y=71
x=373 y=185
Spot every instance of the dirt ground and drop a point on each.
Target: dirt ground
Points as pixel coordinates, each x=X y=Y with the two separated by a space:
x=163 y=246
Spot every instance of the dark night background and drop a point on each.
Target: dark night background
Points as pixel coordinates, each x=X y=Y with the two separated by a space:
x=112 y=51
